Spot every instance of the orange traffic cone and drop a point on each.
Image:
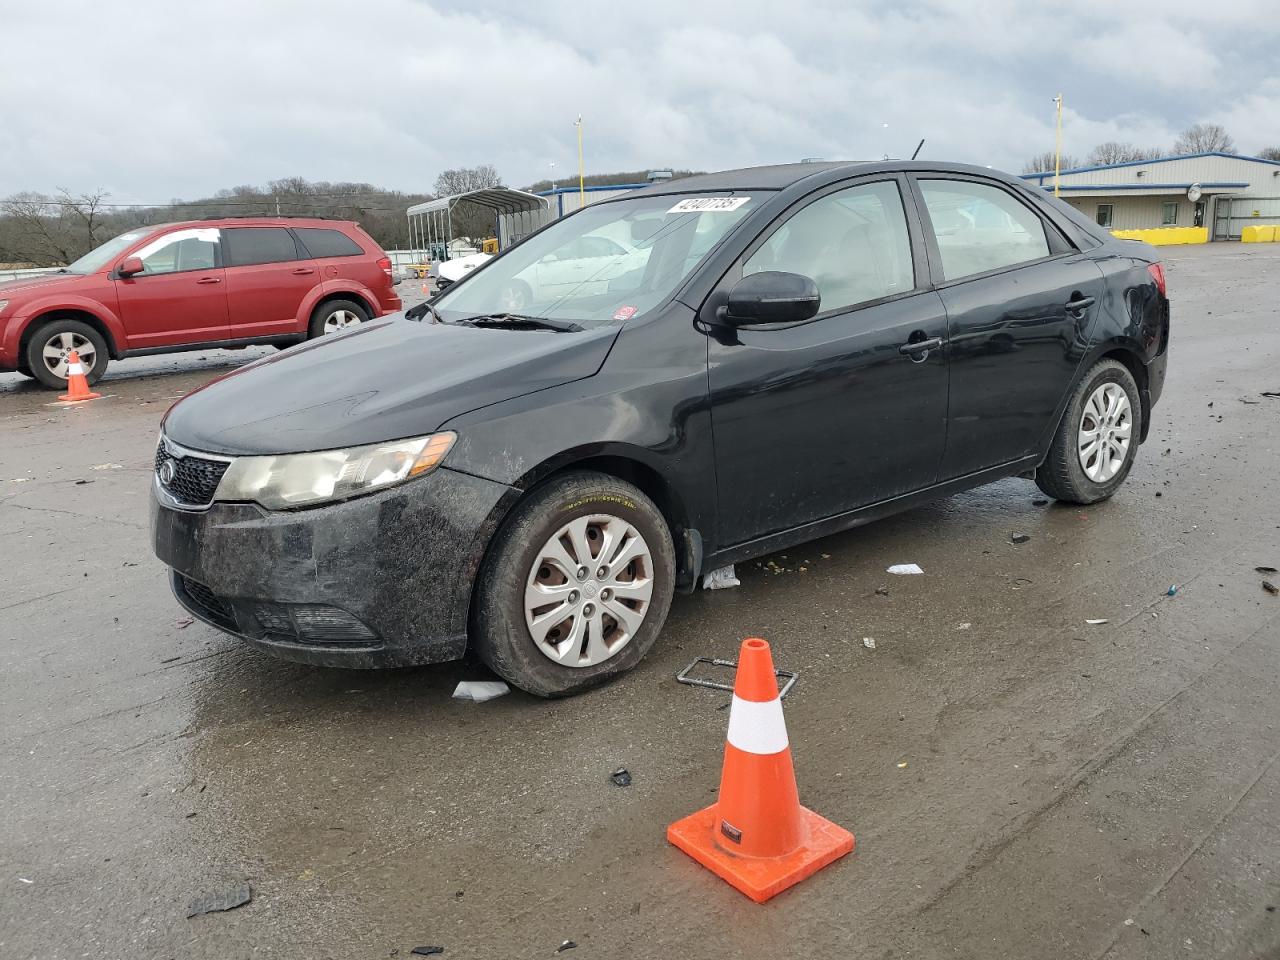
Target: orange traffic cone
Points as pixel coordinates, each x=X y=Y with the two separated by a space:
x=757 y=836
x=77 y=383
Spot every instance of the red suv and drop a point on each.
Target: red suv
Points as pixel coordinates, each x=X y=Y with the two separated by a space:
x=193 y=286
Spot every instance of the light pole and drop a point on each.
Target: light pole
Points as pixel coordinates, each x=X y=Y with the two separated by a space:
x=1057 y=145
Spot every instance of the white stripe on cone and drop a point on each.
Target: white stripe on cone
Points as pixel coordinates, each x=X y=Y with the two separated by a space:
x=757 y=727
x=75 y=368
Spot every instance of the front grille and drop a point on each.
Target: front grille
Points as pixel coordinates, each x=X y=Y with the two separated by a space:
x=195 y=480
x=208 y=602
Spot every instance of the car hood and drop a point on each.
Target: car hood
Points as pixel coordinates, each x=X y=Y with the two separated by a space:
x=22 y=284
x=386 y=380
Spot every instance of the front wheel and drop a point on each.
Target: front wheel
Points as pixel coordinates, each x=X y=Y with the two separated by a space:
x=1096 y=441
x=50 y=348
x=575 y=587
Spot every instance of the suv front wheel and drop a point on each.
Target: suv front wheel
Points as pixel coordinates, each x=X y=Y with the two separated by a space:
x=51 y=344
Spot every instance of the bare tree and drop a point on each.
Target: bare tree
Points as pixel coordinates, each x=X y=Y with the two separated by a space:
x=1115 y=152
x=51 y=231
x=87 y=209
x=1204 y=138
x=452 y=182
x=1269 y=153
x=1042 y=162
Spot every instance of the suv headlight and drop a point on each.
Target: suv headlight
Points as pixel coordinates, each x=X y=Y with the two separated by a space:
x=303 y=479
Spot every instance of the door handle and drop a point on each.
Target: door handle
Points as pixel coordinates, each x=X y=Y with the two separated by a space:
x=1078 y=303
x=209 y=280
x=915 y=349
x=302 y=271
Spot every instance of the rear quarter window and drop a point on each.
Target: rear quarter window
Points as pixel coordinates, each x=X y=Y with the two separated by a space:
x=323 y=242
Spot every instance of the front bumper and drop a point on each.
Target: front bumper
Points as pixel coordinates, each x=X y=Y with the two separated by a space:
x=379 y=581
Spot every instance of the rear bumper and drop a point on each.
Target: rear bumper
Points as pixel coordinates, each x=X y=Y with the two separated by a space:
x=379 y=581
x=391 y=304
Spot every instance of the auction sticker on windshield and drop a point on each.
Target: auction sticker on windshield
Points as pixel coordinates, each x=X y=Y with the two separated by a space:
x=708 y=204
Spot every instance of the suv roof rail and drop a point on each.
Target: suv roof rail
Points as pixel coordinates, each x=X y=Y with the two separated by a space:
x=273 y=216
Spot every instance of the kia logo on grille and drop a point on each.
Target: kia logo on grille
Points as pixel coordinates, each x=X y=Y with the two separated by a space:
x=167 y=472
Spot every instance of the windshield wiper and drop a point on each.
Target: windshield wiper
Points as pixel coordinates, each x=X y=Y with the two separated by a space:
x=520 y=320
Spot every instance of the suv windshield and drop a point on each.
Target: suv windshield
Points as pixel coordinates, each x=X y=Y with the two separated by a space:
x=609 y=262
x=100 y=256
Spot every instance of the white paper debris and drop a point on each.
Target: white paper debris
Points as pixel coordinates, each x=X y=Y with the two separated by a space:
x=721 y=579
x=107 y=466
x=963 y=626
x=1094 y=623
x=905 y=568
x=869 y=642
x=480 y=690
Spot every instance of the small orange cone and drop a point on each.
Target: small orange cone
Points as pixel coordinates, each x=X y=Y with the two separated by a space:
x=757 y=837
x=77 y=383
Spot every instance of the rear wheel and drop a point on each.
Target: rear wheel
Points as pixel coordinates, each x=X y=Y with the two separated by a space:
x=51 y=345
x=1096 y=442
x=575 y=587
x=335 y=316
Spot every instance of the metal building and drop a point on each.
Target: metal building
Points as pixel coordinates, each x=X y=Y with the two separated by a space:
x=1219 y=191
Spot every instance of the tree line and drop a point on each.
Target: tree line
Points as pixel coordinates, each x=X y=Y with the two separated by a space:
x=1198 y=138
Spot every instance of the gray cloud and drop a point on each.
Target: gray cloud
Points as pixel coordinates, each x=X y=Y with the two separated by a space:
x=157 y=100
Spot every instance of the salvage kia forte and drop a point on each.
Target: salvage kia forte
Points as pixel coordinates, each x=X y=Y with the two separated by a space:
x=531 y=471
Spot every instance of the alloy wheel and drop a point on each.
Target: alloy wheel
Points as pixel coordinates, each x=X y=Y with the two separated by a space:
x=58 y=348
x=340 y=320
x=589 y=590
x=1106 y=430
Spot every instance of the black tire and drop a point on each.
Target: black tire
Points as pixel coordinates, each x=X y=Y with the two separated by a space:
x=24 y=370
x=34 y=358
x=1061 y=475
x=500 y=635
x=328 y=309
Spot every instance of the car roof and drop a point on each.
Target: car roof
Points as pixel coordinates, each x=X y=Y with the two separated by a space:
x=254 y=221
x=783 y=175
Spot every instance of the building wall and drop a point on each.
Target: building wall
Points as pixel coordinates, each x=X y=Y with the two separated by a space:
x=1262 y=176
x=1135 y=213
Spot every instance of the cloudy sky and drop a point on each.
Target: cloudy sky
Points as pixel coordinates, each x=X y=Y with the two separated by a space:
x=154 y=100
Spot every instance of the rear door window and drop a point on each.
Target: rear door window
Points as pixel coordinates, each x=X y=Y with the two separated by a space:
x=323 y=242
x=249 y=245
x=980 y=228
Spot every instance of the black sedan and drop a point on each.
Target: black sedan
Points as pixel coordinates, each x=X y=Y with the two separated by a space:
x=696 y=373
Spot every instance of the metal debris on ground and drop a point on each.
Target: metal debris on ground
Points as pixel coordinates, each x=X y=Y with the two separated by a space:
x=1270 y=587
x=1172 y=591
x=479 y=691
x=1266 y=569
x=621 y=777
x=1019 y=537
x=237 y=896
x=721 y=579
x=1094 y=623
x=683 y=675
x=81 y=482
x=869 y=642
x=567 y=945
x=904 y=569
x=427 y=951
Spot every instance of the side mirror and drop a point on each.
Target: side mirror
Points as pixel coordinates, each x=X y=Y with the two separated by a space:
x=772 y=296
x=130 y=266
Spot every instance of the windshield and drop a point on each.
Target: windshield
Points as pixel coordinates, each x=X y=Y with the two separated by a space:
x=609 y=262
x=100 y=256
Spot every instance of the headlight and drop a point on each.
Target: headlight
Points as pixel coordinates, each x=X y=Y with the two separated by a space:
x=302 y=479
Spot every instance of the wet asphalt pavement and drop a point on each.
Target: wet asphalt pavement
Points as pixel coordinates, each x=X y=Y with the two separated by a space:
x=1021 y=784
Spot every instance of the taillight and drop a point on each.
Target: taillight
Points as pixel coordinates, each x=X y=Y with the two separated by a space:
x=385 y=264
x=1157 y=274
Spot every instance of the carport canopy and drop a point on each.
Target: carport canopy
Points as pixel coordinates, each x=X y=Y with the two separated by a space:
x=432 y=225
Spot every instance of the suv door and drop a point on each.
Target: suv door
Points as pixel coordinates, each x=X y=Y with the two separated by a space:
x=817 y=418
x=1021 y=301
x=268 y=277
x=180 y=296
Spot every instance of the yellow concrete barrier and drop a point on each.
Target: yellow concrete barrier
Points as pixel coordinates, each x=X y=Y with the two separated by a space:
x=1260 y=233
x=1166 y=236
